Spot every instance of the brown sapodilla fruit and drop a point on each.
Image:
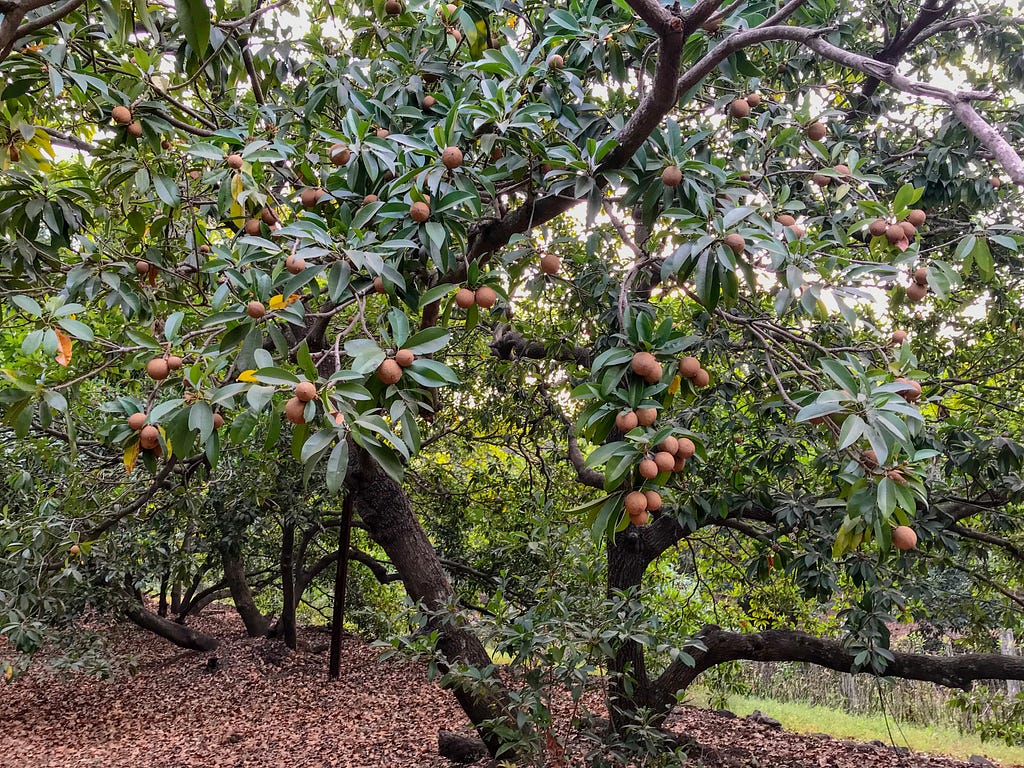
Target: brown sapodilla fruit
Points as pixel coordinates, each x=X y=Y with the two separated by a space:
x=646 y=416
x=739 y=108
x=235 y=161
x=643 y=363
x=305 y=391
x=486 y=297
x=625 y=421
x=670 y=444
x=913 y=393
x=654 y=374
x=404 y=357
x=165 y=145
x=393 y=8
x=636 y=503
x=174 y=362
x=218 y=421
x=679 y=465
x=648 y=469
x=686 y=448
x=149 y=437
x=894 y=233
x=870 y=459
x=921 y=276
x=550 y=264
x=310 y=196
x=995 y=182
x=904 y=538
x=640 y=519
x=671 y=176
x=142 y=267
x=370 y=198
x=204 y=248
x=465 y=298
x=754 y=99
x=842 y=170
x=121 y=115
x=383 y=133
x=419 y=212
x=389 y=372
x=428 y=102
x=555 y=61
x=878 y=227
x=916 y=291
x=908 y=229
x=295 y=411
x=821 y=179
x=653 y=501
x=664 y=460
x=898 y=337
x=916 y=217
x=135 y=129
x=269 y=216
x=736 y=243
x=75 y=550
x=815 y=131
x=137 y=421
x=786 y=220
x=378 y=285
x=294 y=264
x=255 y=309
x=339 y=154
x=252 y=226
x=157 y=369
x=451 y=158
x=701 y=379
x=688 y=367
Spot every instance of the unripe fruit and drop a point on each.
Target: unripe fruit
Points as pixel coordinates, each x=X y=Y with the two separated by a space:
x=428 y=102
x=75 y=549
x=648 y=469
x=671 y=176
x=305 y=391
x=686 y=448
x=688 y=367
x=636 y=503
x=894 y=233
x=137 y=421
x=389 y=372
x=135 y=129
x=294 y=264
x=908 y=229
x=295 y=411
x=921 y=276
x=157 y=369
x=175 y=363
x=664 y=460
x=555 y=61
x=739 y=108
x=339 y=154
x=753 y=99
x=255 y=309
x=913 y=394
x=816 y=131
x=916 y=217
x=121 y=115
x=149 y=437
x=653 y=501
x=669 y=444
x=252 y=227
x=701 y=379
x=486 y=297
x=904 y=538
x=898 y=337
x=625 y=421
x=218 y=421
x=465 y=298
x=646 y=416
x=235 y=161
x=878 y=227
x=419 y=212
x=310 y=196
x=393 y=8
x=451 y=158
x=404 y=357
x=786 y=220
x=142 y=267
x=736 y=243
x=550 y=264
x=916 y=292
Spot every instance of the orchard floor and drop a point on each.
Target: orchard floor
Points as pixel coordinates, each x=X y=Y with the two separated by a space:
x=263 y=706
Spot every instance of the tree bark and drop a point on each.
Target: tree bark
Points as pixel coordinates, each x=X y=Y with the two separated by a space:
x=162 y=605
x=286 y=624
x=340 y=584
x=180 y=635
x=256 y=624
x=385 y=510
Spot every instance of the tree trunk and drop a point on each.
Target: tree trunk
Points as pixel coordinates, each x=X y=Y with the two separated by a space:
x=256 y=624
x=176 y=597
x=178 y=634
x=162 y=607
x=385 y=510
x=286 y=624
x=340 y=583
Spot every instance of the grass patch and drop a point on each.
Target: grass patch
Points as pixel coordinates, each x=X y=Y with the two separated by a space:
x=803 y=718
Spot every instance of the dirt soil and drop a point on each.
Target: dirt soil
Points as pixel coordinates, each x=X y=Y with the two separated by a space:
x=264 y=705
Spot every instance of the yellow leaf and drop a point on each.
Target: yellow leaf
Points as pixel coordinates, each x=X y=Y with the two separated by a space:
x=674 y=386
x=8 y=673
x=247 y=376
x=280 y=302
x=63 y=347
x=131 y=453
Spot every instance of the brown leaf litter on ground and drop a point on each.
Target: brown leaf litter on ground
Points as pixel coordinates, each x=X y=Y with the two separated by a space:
x=264 y=705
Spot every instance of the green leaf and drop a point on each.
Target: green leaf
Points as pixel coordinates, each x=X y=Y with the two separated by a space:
x=337 y=465
x=194 y=20
x=316 y=444
x=428 y=340
x=76 y=328
x=275 y=376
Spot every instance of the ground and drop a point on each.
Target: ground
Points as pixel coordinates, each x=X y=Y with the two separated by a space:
x=265 y=706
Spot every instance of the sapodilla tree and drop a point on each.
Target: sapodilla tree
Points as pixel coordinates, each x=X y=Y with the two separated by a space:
x=380 y=242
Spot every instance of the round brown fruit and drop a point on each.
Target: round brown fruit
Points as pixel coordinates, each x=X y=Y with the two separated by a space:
x=218 y=421
x=744 y=176
x=142 y=267
x=921 y=276
x=255 y=309
x=640 y=519
x=269 y=217
x=916 y=292
x=786 y=220
x=465 y=298
x=294 y=265
x=234 y=160
x=671 y=176
x=664 y=460
x=679 y=465
x=753 y=99
x=739 y=108
x=252 y=226
x=908 y=229
x=121 y=115
x=643 y=363
x=165 y=145
x=904 y=538
x=625 y=421
x=486 y=297
x=894 y=233
x=736 y=243
x=654 y=374
x=878 y=227
x=305 y=391
x=815 y=131
x=686 y=448
x=995 y=182
x=371 y=198
x=648 y=469
x=870 y=459
x=75 y=549
x=157 y=369
x=135 y=129
x=555 y=61
x=646 y=416
x=204 y=248
x=701 y=379
x=339 y=154
x=310 y=196
x=295 y=411
x=451 y=158
x=419 y=212
x=149 y=437
x=428 y=102
x=916 y=217
x=821 y=179
x=688 y=367
x=550 y=264
x=404 y=357
x=393 y=8
x=898 y=337
x=383 y=133
x=378 y=285
x=636 y=503
x=842 y=170
x=175 y=363
x=653 y=501
x=913 y=393
x=669 y=444
x=137 y=421
x=456 y=34
x=389 y=372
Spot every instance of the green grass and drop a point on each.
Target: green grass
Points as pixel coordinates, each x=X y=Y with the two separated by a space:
x=803 y=718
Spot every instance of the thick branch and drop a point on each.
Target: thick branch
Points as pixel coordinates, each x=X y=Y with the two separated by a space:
x=12 y=30
x=180 y=635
